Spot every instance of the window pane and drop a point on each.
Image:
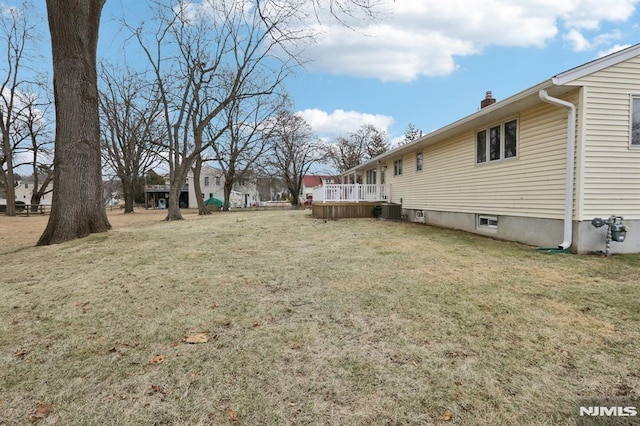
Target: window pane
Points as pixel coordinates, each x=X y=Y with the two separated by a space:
x=494 y=143
x=481 y=147
x=635 y=123
x=510 y=139
x=418 y=161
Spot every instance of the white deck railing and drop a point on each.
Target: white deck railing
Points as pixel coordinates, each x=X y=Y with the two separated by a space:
x=350 y=193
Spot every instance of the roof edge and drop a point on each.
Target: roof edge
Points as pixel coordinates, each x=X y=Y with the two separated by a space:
x=482 y=112
x=597 y=65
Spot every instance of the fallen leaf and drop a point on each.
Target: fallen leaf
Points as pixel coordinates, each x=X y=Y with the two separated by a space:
x=233 y=417
x=42 y=410
x=158 y=359
x=448 y=415
x=20 y=354
x=197 y=338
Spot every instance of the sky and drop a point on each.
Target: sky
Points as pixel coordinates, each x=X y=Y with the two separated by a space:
x=429 y=62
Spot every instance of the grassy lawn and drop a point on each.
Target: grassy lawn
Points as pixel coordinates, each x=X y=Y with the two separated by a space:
x=308 y=322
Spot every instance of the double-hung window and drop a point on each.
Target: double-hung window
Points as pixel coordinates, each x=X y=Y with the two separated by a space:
x=635 y=122
x=371 y=176
x=397 y=167
x=498 y=142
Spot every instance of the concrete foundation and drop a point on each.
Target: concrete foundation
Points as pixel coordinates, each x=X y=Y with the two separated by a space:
x=533 y=231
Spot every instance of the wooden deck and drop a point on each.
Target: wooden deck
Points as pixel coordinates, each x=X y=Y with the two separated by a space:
x=342 y=210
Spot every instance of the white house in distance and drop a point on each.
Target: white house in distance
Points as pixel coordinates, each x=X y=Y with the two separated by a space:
x=24 y=190
x=243 y=194
x=536 y=167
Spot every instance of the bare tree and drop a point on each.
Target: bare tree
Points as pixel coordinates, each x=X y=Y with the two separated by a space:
x=77 y=208
x=367 y=142
x=246 y=139
x=295 y=149
x=16 y=34
x=74 y=26
x=130 y=114
x=221 y=48
x=38 y=143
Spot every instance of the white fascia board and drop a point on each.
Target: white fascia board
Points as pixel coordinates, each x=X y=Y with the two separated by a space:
x=596 y=65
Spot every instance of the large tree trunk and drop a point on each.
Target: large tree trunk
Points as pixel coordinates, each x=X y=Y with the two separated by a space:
x=228 y=186
x=77 y=208
x=129 y=195
x=173 y=211
x=175 y=189
x=129 y=185
x=8 y=175
x=197 y=168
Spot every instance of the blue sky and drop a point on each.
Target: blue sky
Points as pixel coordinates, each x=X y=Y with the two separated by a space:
x=430 y=62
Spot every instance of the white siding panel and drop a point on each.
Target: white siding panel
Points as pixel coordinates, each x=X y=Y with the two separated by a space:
x=531 y=185
x=611 y=168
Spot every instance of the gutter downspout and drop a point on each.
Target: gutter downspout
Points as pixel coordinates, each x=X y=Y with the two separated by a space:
x=571 y=137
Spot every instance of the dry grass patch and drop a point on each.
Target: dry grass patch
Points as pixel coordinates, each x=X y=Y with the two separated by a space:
x=314 y=322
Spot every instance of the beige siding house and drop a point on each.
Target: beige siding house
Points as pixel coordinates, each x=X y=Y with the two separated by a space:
x=536 y=167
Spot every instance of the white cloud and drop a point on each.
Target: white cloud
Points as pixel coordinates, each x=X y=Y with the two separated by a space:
x=424 y=37
x=341 y=123
x=613 y=49
x=577 y=41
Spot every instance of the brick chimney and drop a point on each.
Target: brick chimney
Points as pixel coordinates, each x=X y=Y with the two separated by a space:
x=488 y=100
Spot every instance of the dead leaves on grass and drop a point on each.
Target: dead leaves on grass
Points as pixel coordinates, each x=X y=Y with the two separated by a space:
x=158 y=359
x=197 y=338
x=233 y=416
x=192 y=339
x=447 y=416
x=42 y=411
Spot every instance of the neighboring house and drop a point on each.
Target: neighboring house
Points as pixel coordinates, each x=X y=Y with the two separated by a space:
x=24 y=190
x=536 y=167
x=312 y=181
x=243 y=194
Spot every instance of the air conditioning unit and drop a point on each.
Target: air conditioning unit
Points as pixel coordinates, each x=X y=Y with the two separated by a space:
x=418 y=216
x=391 y=211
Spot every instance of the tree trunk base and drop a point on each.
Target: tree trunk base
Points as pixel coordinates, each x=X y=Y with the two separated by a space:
x=174 y=216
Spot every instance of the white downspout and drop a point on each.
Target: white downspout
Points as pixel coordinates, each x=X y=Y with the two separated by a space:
x=571 y=137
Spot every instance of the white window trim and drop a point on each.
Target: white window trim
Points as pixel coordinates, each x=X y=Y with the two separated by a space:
x=487 y=222
x=631 y=99
x=397 y=171
x=487 y=129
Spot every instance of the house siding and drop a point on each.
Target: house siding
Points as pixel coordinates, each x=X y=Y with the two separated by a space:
x=531 y=185
x=611 y=169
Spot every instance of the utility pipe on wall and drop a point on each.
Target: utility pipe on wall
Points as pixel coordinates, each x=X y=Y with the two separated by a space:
x=571 y=137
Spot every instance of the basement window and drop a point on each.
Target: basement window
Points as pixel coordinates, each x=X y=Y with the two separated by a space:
x=490 y=222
